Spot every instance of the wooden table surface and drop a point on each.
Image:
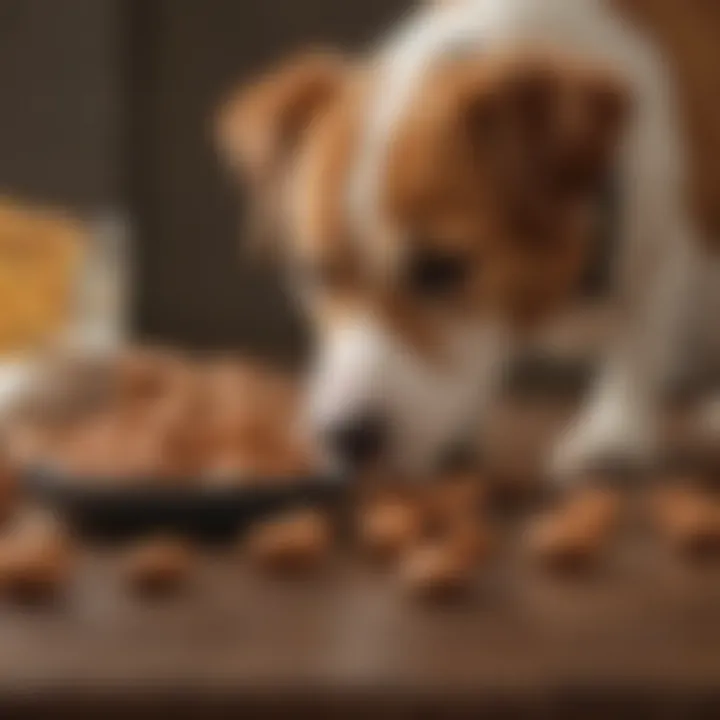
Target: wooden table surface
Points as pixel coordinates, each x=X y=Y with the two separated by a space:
x=644 y=629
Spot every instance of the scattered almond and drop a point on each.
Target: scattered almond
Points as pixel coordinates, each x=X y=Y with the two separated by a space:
x=159 y=566
x=295 y=543
x=437 y=572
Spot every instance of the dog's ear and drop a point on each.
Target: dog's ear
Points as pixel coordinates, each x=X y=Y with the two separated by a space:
x=547 y=130
x=258 y=126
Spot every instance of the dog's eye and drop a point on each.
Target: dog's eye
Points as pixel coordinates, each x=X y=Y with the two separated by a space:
x=433 y=273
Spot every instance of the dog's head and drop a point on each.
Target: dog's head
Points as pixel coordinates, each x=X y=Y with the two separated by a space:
x=478 y=227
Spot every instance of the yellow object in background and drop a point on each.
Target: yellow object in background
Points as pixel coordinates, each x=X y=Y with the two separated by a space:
x=41 y=256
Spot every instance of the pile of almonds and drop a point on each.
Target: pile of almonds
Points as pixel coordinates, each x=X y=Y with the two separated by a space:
x=432 y=538
x=156 y=416
x=161 y=417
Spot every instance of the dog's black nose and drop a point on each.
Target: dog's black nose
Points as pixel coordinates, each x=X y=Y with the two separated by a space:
x=359 y=441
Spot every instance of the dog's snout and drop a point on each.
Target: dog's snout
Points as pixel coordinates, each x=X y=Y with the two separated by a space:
x=359 y=441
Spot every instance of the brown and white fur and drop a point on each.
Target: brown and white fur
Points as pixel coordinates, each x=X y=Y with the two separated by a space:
x=476 y=134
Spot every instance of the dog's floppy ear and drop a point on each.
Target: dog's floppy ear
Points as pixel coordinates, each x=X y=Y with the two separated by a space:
x=548 y=130
x=259 y=125
x=258 y=128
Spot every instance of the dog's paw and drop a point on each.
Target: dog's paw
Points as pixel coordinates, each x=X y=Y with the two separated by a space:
x=603 y=441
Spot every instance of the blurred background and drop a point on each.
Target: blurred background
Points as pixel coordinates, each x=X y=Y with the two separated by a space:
x=106 y=107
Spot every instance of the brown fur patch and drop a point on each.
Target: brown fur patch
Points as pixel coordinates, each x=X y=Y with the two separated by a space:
x=474 y=177
x=478 y=169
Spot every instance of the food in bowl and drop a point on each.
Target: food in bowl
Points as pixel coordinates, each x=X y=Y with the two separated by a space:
x=165 y=418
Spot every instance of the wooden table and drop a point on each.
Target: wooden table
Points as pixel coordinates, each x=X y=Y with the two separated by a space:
x=642 y=632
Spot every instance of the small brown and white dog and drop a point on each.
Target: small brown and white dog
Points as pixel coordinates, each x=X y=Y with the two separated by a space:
x=437 y=200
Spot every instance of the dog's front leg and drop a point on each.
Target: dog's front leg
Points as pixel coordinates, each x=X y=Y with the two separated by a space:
x=618 y=425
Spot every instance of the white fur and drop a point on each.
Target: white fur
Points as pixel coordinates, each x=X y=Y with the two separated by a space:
x=361 y=368
x=659 y=264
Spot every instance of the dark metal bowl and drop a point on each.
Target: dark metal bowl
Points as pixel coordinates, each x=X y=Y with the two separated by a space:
x=115 y=511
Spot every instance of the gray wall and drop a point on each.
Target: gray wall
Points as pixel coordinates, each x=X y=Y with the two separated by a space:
x=62 y=108
x=195 y=285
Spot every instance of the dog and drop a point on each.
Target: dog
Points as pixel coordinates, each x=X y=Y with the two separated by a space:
x=437 y=202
